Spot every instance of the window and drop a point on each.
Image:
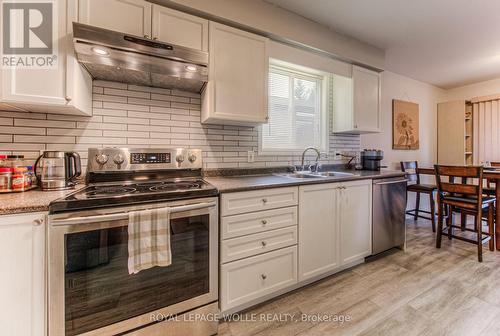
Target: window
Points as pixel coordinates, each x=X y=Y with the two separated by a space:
x=297 y=110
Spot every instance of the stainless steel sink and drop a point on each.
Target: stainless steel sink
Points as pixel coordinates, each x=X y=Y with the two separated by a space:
x=302 y=175
x=308 y=174
x=334 y=173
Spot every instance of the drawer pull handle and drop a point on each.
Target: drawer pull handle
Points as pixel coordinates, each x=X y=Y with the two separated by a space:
x=263 y=244
x=263 y=276
x=264 y=200
x=264 y=222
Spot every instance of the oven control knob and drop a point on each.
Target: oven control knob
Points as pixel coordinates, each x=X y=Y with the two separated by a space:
x=118 y=159
x=101 y=159
x=192 y=158
x=179 y=158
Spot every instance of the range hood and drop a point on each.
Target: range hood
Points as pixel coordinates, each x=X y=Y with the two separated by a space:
x=114 y=56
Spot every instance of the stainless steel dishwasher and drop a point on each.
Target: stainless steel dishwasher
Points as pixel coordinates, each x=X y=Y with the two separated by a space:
x=389 y=206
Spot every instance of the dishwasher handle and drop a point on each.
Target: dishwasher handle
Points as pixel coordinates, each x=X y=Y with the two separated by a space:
x=390 y=182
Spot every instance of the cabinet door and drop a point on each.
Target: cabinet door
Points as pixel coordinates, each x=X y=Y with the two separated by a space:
x=126 y=16
x=318 y=230
x=179 y=28
x=366 y=100
x=39 y=86
x=22 y=289
x=66 y=89
x=237 y=89
x=355 y=218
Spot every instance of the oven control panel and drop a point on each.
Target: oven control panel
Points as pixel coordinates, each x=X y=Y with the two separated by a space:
x=149 y=158
x=137 y=159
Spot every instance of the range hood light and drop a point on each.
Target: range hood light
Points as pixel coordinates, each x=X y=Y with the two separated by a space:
x=100 y=51
x=190 y=68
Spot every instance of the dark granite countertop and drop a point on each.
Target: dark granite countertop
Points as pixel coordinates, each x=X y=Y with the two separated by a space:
x=34 y=200
x=253 y=182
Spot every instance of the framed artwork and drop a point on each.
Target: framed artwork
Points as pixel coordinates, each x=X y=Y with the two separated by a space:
x=405 y=125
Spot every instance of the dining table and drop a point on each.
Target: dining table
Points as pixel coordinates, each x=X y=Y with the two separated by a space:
x=492 y=174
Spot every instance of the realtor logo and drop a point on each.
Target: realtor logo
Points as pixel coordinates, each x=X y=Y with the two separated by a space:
x=28 y=34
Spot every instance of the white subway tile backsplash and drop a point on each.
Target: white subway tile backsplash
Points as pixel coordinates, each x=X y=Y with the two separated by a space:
x=139 y=116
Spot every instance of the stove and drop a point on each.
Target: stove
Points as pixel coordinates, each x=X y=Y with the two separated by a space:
x=88 y=239
x=120 y=176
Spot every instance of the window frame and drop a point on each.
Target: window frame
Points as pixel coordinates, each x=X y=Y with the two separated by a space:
x=306 y=73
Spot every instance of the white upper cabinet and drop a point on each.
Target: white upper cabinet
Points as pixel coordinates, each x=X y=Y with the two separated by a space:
x=141 y=18
x=355 y=220
x=318 y=230
x=126 y=16
x=22 y=284
x=357 y=103
x=67 y=89
x=238 y=71
x=180 y=28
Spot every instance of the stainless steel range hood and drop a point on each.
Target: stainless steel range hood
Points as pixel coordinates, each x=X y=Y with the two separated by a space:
x=114 y=56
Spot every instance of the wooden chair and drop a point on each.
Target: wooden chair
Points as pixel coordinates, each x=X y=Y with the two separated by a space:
x=414 y=185
x=491 y=184
x=466 y=199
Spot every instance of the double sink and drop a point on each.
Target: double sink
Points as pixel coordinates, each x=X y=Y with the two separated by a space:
x=308 y=174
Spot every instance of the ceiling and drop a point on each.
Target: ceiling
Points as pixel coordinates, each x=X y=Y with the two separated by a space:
x=447 y=43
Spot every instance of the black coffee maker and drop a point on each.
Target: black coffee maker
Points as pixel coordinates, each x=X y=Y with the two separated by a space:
x=371 y=159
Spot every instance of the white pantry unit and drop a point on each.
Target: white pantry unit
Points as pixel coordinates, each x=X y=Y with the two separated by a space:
x=356 y=102
x=67 y=89
x=23 y=284
x=236 y=93
x=142 y=18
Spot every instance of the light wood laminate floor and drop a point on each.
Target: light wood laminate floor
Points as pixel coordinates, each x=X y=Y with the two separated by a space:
x=422 y=291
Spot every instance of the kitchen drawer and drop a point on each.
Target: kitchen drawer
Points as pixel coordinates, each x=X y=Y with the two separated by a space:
x=251 y=245
x=248 y=201
x=252 y=278
x=254 y=222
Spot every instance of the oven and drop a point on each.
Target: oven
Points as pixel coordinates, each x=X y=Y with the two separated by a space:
x=91 y=291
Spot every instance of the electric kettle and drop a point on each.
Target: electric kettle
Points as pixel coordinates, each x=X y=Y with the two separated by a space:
x=57 y=170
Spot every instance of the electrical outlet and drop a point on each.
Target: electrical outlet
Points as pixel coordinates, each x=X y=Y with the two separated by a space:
x=251 y=156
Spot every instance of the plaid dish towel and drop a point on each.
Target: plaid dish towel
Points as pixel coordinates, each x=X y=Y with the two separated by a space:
x=148 y=239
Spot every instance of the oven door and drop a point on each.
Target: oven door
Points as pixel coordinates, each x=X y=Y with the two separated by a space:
x=90 y=289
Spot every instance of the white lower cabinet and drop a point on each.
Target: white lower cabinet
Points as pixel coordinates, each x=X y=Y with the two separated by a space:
x=318 y=230
x=335 y=226
x=23 y=281
x=355 y=219
x=252 y=278
x=296 y=236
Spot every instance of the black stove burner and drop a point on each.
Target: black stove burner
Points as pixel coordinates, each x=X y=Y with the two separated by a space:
x=110 y=191
x=174 y=186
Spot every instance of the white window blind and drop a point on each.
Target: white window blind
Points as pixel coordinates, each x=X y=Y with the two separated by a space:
x=297 y=116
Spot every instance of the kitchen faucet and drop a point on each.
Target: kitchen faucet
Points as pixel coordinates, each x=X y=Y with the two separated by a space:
x=317 y=156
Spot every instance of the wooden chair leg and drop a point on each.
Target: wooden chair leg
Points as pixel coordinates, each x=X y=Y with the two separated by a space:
x=433 y=216
x=440 y=225
x=491 y=227
x=417 y=205
x=463 y=221
x=478 y=225
x=450 y=221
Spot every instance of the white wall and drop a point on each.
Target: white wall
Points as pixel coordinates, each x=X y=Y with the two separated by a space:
x=474 y=90
x=395 y=86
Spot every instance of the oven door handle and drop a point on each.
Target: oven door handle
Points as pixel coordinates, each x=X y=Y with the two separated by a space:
x=125 y=215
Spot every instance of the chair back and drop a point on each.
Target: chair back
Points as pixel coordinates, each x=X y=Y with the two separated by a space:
x=411 y=170
x=461 y=189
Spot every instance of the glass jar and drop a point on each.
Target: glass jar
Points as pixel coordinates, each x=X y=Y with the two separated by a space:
x=28 y=178
x=15 y=161
x=3 y=160
x=5 y=179
x=18 y=178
